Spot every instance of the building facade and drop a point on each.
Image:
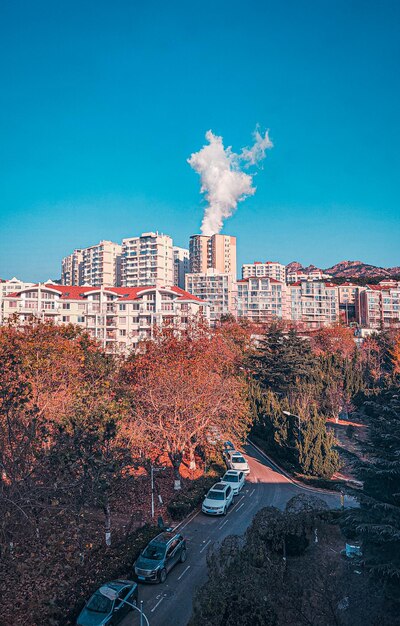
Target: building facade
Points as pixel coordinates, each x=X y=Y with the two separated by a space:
x=117 y=317
x=72 y=268
x=216 y=288
x=212 y=252
x=313 y=274
x=314 y=304
x=7 y=287
x=268 y=269
x=262 y=299
x=147 y=260
x=181 y=265
x=378 y=306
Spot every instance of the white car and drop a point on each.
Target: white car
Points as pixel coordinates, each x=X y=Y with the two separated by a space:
x=235 y=479
x=236 y=461
x=218 y=499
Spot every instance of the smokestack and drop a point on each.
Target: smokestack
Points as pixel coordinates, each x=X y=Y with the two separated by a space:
x=223 y=181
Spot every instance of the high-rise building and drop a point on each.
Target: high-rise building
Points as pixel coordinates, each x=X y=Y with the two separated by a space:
x=198 y=253
x=262 y=299
x=181 y=265
x=216 y=288
x=72 y=268
x=101 y=264
x=268 y=269
x=212 y=252
x=147 y=260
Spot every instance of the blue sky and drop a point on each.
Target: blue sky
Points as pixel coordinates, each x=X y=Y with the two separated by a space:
x=102 y=103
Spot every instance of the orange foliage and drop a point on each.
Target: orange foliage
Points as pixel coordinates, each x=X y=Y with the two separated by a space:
x=334 y=340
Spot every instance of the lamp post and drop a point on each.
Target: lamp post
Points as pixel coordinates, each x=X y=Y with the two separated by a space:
x=152 y=470
x=297 y=417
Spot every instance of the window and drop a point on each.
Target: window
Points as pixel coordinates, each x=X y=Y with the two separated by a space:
x=65 y=318
x=135 y=320
x=122 y=320
x=66 y=305
x=122 y=332
x=80 y=319
x=122 y=307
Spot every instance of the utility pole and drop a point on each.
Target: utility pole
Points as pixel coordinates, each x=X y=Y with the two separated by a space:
x=152 y=470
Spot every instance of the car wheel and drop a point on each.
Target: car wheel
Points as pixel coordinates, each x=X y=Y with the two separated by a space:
x=224 y=513
x=183 y=556
x=163 y=575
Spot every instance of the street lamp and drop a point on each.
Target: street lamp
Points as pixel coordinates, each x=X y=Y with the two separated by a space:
x=297 y=417
x=112 y=595
x=152 y=470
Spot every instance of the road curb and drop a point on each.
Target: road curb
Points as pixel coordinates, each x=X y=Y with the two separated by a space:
x=290 y=478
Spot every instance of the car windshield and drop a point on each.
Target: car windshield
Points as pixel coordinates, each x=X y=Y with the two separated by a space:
x=231 y=478
x=238 y=459
x=99 y=603
x=154 y=551
x=216 y=495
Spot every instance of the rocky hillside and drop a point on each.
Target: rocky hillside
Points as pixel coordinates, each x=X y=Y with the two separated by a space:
x=349 y=269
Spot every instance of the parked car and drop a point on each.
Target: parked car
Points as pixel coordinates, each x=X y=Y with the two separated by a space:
x=105 y=607
x=218 y=499
x=235 y=479
x=236 y=461
x=160 y=556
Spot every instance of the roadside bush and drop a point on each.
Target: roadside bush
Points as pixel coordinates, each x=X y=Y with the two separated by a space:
x=186 y=501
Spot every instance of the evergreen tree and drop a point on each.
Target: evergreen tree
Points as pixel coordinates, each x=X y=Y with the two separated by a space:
x=317 y=456
x=377 y=521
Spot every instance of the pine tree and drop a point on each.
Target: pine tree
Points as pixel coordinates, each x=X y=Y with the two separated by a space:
x=377 y=521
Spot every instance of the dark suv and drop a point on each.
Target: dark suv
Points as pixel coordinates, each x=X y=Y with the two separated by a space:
x=160 y=556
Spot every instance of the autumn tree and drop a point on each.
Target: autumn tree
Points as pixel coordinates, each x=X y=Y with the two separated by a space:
x=184 y=389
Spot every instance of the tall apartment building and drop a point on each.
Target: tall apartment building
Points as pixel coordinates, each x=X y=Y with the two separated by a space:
x=269 y=269
x=72 y=268
x=314 y=304
x=216 y=288
x=118 y=317
x=348 y=293
x=181 y=266
x=101 y=264
x=262 y=299
x=212 y=252
x=96 y=265
x=378 y=306
x=147 y=260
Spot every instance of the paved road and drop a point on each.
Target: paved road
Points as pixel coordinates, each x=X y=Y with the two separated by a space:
x=171 y=603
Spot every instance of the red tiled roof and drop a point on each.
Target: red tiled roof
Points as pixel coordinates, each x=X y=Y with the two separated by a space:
x=75 y=292
x=271 y=280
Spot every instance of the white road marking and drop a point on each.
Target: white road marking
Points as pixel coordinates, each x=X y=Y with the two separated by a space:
x=187 y=521
x=222 y=525
x=159 y=602
x=205 y=546
x=240 y=506
x=252 y=492
x=184 y=572
x=240 y=499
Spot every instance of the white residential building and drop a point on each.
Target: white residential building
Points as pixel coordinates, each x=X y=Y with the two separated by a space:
x=181 y=266
x=314 y=303
x=72 y=268
x=216 y=288
x=262 y=300
x=7 y=287
x=101 y=264
x=302 y=275
x=147 y=260
x=118 y=317
x=270 y=269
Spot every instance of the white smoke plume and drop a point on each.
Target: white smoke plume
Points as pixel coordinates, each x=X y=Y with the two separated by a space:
x=223 y=182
